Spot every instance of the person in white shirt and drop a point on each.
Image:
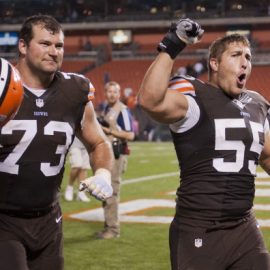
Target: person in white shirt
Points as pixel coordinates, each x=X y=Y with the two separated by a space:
x=79 y=162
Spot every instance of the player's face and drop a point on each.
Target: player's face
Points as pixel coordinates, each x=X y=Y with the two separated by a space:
x=112 y=94
x=45 y=51
x=233 y=69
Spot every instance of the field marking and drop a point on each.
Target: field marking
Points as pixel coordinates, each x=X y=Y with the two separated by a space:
x=262 y=175
x=147 y=178
x=262 y=183
x=259 y=192
x=144 y=161
x=152 y=155
x=262 y=192
x=263 y=207
x=158 y=176
x=127 y=208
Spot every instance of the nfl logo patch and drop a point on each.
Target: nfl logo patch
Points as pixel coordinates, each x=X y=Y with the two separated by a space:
x=198 y=242
x=39 y=102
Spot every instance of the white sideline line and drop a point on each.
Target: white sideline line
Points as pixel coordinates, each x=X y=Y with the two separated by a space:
x=126 y=210
x=147 y=178
x=158 y=176
x=262 y=175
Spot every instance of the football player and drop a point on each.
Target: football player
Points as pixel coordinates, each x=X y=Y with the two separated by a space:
x=221 y=132
x=56 y=107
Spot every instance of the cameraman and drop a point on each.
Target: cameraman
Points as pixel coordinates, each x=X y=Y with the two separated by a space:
x=116 y=122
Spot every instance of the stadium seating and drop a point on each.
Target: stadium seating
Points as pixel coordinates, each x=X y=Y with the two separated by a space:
x=148 y=42
x=75 y=65
x=261 y=37
x=259 y=80
x=128 y=73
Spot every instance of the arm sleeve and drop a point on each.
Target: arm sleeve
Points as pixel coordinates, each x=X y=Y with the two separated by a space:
x=266 y=124
x=191 y=119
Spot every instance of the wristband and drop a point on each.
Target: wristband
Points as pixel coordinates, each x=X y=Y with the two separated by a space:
x=171 y=44
x=105 y=173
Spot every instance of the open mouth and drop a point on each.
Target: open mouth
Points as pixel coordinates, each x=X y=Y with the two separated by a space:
x=241 y=79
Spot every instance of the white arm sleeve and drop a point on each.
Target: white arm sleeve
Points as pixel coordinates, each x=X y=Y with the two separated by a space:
x=266 y=126
x=191 y=118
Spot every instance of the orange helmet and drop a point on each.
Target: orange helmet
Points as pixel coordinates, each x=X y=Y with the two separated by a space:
x=11 y=91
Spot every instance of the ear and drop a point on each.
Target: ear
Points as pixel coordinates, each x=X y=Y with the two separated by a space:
x=214 y=64
x=22 y=46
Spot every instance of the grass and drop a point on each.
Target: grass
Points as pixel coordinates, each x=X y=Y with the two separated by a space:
x=141 y=245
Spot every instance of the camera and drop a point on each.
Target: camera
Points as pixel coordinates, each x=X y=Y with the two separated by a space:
x=116 y=148
x=102 y=121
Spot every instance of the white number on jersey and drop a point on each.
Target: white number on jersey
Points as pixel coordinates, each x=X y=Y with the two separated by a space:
x=221 y=143
x=9 y=165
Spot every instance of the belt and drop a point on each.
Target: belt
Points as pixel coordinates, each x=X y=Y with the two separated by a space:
x=27 y=213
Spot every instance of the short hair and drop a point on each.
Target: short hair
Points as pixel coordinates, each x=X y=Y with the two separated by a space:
x=112 y=83
x=47 y=21
x=218 y=46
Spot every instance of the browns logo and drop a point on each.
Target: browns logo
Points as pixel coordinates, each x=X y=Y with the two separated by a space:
x=11 y=91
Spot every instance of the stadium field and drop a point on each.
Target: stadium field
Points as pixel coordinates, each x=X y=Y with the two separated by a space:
x=146 y=209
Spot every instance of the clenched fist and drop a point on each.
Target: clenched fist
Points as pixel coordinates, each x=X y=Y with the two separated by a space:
x=181 y=33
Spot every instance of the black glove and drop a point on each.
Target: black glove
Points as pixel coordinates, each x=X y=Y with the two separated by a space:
x=181 y=33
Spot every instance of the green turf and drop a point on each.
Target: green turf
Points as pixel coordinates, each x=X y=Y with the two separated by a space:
x=141 y=246
x=262 y=200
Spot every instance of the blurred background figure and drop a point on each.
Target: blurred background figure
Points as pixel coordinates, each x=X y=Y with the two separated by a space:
x=116 y=122
x=87 y=46
x=79 y=163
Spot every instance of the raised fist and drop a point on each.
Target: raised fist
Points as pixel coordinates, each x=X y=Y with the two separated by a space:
x=181 y=33
x=188 y=31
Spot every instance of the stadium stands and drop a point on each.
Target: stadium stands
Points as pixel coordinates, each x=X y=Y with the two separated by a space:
x=147 y=20
x=128 y=73
x=132 y=10
x=262 y=38
x=75 y=65
x=259 y=80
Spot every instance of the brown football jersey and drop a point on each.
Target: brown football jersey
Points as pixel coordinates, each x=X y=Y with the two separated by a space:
x=219 y=154
x=33 y=146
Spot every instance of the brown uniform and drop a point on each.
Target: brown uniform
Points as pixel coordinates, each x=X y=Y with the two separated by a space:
x=214 y=228
x=33 y=150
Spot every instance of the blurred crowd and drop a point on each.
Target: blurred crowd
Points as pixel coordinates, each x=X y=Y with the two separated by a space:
x=87 y=10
